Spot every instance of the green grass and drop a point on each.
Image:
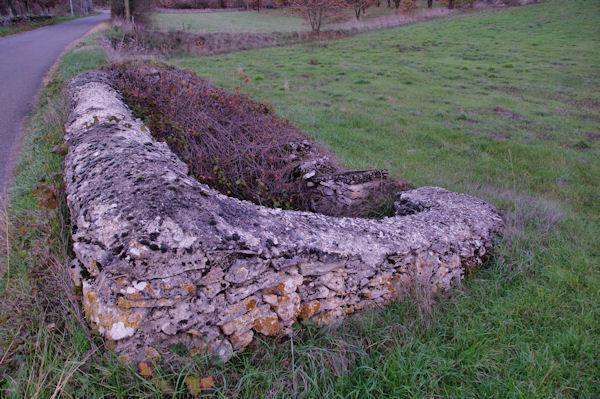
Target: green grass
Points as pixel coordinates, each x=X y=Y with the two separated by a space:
x=234 y=21
x=502 y=104
x=420 y=99
x=11 y=30
x=280 y=20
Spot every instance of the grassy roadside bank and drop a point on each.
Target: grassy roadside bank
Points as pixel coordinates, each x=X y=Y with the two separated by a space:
x=516 y=127
x=41 y=337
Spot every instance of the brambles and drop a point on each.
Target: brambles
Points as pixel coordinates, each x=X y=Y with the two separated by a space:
x=239 y=147
x=230 y=142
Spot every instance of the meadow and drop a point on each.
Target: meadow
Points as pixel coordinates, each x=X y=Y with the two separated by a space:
x=265 y=21
x=241 y=21
x=503 y=104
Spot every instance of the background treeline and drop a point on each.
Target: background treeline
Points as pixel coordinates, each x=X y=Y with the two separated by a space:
x=13 y=8
x=185 y=4
x=406 y=5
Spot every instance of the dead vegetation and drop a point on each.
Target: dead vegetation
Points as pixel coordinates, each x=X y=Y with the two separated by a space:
x=142 y=41
x=39 y=310
x=234 y=144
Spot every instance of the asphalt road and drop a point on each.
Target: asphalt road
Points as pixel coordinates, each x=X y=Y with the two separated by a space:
x=25 y=59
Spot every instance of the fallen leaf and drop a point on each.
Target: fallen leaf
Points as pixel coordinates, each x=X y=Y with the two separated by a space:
x=145 y=369
x=193 y=385
x=207 y=382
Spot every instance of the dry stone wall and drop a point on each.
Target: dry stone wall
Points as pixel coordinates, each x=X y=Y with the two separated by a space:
x=163 y=259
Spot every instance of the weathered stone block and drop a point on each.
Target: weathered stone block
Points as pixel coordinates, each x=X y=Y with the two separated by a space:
x=171 y=261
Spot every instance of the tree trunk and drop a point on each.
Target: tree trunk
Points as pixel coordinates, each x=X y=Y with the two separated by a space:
x=320 y=16
x=450 y=4
x=127 y=11
x=11 y=8
x=429 y=3
x=84 y=7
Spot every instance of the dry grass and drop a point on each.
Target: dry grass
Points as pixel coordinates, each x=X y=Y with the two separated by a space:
x=5 y=241
x=397 y=19
x=39 y=310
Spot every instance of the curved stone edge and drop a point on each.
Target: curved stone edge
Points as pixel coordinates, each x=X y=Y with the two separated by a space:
x=167 y=260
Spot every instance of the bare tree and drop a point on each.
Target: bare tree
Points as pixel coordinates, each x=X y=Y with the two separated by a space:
x=317 y=11
x=360 y=6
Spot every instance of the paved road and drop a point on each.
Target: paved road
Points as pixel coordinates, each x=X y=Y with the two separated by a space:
x=25 y=59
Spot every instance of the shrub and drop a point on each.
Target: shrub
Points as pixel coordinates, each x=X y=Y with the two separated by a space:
x=408 y=5
x=458 y=3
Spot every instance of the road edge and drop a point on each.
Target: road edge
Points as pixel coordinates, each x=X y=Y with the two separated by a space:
x=17 y=147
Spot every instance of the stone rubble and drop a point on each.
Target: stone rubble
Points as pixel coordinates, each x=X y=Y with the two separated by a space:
x=167 y=260
x=339 y=189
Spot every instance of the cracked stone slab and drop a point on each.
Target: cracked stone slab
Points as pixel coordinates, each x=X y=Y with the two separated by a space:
x=168 y=260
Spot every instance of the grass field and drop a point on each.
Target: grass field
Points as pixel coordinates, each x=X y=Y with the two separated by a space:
x=445 y=102
x=235 y=21
x=503 y=104
x=252 y=21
